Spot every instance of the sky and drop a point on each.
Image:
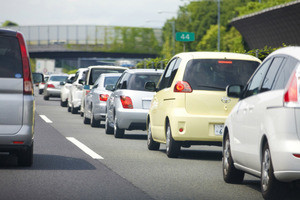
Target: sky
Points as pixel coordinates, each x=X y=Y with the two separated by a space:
x=137 y=13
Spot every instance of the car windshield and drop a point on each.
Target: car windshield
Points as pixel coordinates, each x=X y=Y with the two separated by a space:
x=10 y=58
x=58 y=78
x=137 y=81
x=110 y=80
x=214 y=74
x=95 y=73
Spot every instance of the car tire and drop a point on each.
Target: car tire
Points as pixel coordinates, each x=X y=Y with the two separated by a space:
x=271 y=188
x=46 y=98
x=25 y=157
x=63 y=103
x=230 y=173
x=94 y=122
x=74 y=110
x=172 y=147
x=40 y=91
x=69 y=109
x=152 y=145
x=108 y=128
x=118 y=133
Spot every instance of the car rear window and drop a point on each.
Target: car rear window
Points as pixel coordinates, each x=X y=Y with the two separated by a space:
x=214 y=74
x=58 y=78
x=95 y=73
x=137 y=81
x=10 y=58
x=112 y=80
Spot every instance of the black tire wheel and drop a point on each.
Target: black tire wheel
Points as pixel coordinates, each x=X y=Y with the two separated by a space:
x=63 y=103
x=271 y=188
x=40 y=91
x=172 y=147
x=152 y=145
x=108 y=128
x=86 y=120
x=69 y=109
x=94 y=122
x=74 y=110
x=25 y=157
x=230 y=173
x=118 y=133
x=46 y=98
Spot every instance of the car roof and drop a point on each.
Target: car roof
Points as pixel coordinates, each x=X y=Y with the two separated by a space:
x=144 y=70
x=7 y=32
x=106 y=67
x=292 y=51
x=216 y=55
x=110 y=74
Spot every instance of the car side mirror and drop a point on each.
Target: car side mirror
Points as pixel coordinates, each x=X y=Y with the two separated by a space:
x=62 y=83
x=110 y=87
x=81 y=81
x=69 y=81
x=234 y=91
x=86 y=87
x=150 y=86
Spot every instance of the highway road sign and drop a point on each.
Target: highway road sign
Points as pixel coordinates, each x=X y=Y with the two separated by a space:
x=185 y=36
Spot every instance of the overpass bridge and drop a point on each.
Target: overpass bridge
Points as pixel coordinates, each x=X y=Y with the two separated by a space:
x=83 y=45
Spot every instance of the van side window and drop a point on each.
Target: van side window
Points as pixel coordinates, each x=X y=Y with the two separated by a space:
x=164 y=82
x=270 y=77
x=174 y=71
x=285 y=73
x=255 y=83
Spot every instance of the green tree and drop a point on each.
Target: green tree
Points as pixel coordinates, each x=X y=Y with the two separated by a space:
x=9 y=23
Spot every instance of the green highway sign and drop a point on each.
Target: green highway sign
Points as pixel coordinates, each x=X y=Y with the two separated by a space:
x=185 y=36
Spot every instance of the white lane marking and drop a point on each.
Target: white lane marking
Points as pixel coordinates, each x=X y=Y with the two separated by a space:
x=46 y=119
x=84 y=148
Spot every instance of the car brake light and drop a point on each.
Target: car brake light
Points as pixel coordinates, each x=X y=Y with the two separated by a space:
x=225 y=62
x=87 y=92
x=27 y=80
x=126 y=102
x=291 y=92
x=50 y=86
x=103 y=97
x=182 y=86
x=296 y=155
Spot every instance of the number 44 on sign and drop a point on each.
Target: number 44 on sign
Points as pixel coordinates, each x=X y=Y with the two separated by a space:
x=185 y=36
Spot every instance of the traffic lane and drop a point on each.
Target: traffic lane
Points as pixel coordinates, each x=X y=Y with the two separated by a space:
x=61 y=171
x=197 y=173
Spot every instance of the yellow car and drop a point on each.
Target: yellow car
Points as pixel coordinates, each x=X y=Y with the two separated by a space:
x=190 y=105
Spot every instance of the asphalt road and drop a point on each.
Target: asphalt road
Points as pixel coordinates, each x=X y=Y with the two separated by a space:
x=123 y=168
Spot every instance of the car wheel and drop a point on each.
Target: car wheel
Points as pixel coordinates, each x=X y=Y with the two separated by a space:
x=108 y=128
x=230 y=173
x=46 y=98
x=69 y=109
x=25 y=157
x=94 y=122
x=118 y=133
x=152 y=145
x=74 y=110
x=63 y=103
x=271 y=188
x=172 y=147
x=40 y=91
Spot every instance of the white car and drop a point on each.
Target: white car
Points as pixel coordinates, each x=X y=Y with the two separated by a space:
x=64 y=92
x=42 y=84
x=53 y=86
x=262 y=133
x=75 y=94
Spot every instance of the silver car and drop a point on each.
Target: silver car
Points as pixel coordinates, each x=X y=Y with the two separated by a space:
x=16 y=98
x=53 y=86
x=95 y=100
x=262 y=133
x=129 y=103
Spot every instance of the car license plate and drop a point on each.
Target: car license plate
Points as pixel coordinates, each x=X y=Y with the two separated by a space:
x=219 y=129
x=146 y=104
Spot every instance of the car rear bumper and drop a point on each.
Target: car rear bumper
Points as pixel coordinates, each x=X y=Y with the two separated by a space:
x=132 y=119
x=52 y=92
x=24 y=136
x=195 y=127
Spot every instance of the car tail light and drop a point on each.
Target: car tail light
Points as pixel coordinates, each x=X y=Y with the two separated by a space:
x=126 y=102
x=291 y=98
x=182 y=86
x=296 y=155
x=103 y=97
x=27 y=80
x=50 y=86
x=87 y=92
